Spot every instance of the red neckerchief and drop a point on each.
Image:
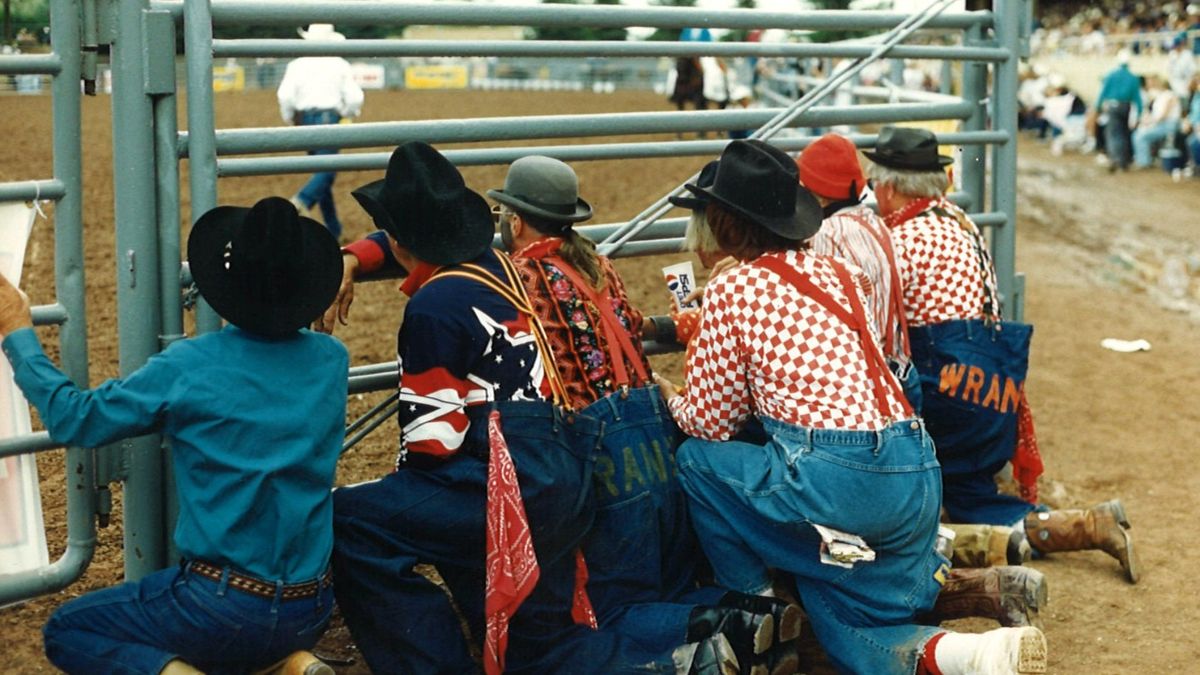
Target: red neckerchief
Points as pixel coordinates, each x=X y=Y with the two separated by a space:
x=512 y=566
x=417 y=277
x=908 y=211
x=540 y=248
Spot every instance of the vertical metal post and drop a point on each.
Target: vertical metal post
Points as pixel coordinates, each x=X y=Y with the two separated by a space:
x=167 y=189
x=202 y=133
x=897 y=76
x=946 y=86
x=1007 y=20
x=974 y=91
x=138 y=305
x=65 y=37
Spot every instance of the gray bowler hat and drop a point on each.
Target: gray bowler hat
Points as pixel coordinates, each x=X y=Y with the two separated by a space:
x=543 y=187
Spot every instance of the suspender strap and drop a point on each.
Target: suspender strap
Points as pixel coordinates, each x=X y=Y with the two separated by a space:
x=620 y=346
x=856 y=319
x=893 y=341
x=990 y=295
x=514 y=293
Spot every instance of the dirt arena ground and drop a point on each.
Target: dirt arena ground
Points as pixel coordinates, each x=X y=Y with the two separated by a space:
x=1091 y=244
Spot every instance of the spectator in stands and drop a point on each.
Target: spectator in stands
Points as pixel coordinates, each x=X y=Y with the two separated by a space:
x=319 y=90
x=253 y=472
x=950 y=291
x=1120 y=94
x=1066 y=114
x=1191 y=126
x=1158 y=125
x=784 y=336
x=1181 y=67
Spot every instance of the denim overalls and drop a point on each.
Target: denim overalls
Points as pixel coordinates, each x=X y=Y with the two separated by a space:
x=753 y=507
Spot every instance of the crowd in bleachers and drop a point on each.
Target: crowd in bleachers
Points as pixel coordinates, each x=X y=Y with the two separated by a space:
x=1108 y=26
x=1141 y=119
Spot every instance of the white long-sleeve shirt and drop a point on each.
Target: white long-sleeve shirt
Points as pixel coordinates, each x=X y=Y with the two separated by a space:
x=319 y=82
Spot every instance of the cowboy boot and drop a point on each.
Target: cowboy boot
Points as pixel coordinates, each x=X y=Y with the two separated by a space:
x=1103 y=527
x=988 y=546
x=1012 y=595
x=748 y=633
x=297 y=663
x=781 y=659
x=788 y=617
x=710 y=656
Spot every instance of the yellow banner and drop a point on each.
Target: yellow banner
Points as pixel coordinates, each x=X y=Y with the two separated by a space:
x=435 y=77
x=229 y=78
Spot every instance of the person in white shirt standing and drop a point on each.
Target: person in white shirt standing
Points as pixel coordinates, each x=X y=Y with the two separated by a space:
x=319 y=90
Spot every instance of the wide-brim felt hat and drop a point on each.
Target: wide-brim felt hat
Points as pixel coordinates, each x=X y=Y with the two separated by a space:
x=704 y=179
x=424 y=204
x=760 y=182
x=545 y=188
x=909 y=149
x=265 y=269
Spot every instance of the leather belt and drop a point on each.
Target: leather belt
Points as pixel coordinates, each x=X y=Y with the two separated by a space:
x=261 y=588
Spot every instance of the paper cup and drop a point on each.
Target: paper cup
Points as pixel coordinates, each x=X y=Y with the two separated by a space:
x=681 y=281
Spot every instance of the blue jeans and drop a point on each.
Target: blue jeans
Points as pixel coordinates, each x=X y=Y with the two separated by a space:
x=753 y=506
x=1116 y=133
x=319 y=189
x=403 y=623
x=138 y=627
x=1144 y=140
x=642 y=554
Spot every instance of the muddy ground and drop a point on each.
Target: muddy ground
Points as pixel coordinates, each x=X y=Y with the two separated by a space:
x=1092 y=245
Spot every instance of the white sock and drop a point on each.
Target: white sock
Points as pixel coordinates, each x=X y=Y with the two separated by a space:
x=996 y=652
x=954 y=651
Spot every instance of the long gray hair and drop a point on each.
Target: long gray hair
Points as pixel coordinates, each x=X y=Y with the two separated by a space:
x=911 y=183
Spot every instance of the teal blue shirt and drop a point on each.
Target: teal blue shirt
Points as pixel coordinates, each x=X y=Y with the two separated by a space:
x=255 y=426
x=1121 y=85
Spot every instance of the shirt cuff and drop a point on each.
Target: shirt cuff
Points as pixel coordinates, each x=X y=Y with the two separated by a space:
x=20 y=345
x=369 y=253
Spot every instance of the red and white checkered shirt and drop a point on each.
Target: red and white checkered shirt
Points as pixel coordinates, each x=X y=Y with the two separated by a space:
x=939 y=264
x=857 y=235
x=764 y=348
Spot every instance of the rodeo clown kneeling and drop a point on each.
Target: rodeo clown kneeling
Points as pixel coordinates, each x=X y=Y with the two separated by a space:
x=253 y=472
x=845 y=494
x=493 y=486
x=972 y=366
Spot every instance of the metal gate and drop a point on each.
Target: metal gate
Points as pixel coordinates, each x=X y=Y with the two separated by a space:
x=141 y=35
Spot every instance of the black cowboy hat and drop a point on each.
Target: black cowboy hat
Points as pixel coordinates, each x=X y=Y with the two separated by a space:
x=424 y=204
x=265 y=268
x=705 y=179
x=908 y=148
x=760 y=182
x=543 y=187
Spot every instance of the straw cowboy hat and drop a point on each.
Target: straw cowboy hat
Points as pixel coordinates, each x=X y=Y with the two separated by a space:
x=265 y=268
x=424 y=204
x=320 y=31
x=545 y=188
x=760 y=182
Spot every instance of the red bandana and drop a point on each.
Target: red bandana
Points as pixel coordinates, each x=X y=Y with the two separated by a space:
x=546 y=246
x=417 y=277
x=908 y=211
x=512 y=566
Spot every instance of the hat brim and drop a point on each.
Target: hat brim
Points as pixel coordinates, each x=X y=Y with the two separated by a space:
x=897 y=163
x=313 y=292
x=437 y=246
x=583 y=210
x=804 y=222
x=684 y=202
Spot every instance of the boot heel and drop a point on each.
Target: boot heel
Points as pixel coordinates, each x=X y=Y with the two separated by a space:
x=1118 y=511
